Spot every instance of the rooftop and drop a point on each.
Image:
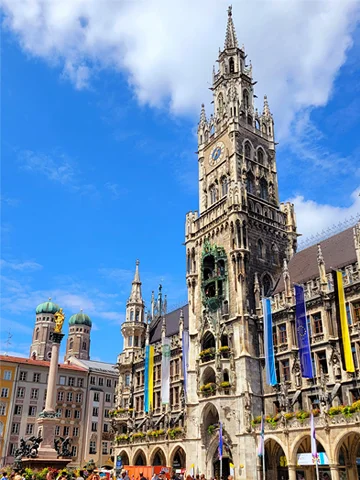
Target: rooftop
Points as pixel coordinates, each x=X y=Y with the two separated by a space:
x=38 y=363
x=95 y=365
x=172 y=324
x=338 y=251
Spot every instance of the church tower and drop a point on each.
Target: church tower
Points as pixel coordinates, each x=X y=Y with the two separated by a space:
x=235 y=245
x=44 y=326
x=134 y=327
x=78 y=341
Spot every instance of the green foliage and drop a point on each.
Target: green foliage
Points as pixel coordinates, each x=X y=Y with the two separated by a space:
x=156 y=433
x=208 y=352
x=138 y=435
x=224 y=349
x=208 y=387
x=122 y=438
x=225 y=385
x=211 y=429
x=175 y=432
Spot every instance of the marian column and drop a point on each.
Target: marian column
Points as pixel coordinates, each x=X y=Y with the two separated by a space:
x=48 y=420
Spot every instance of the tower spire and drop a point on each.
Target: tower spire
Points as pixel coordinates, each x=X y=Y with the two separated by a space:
x=266 y=111
x=135 y=295
x=230 y=39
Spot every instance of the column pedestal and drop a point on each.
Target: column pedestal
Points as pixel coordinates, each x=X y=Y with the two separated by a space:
x=292 y=472
x=334 y=473
x=47 y=426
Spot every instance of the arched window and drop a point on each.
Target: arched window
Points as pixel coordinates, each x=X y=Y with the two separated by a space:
x=260 y=248
x=193 y=259
x=238 y=233
x=249 y=120
x=84 y=346
x=264 y=128
x=212 y=194
x=250 y=183
x=1 y=429
x=224 y=186
x=257 y=124
x=266 y=285
x=212 y=130
x=131 y=315
x=245 y=99
x=137 y=316
x=260 y=156
x=244 y=232
x=71 y=344
x=37 y=334
x=274 y=254
x=247 y=150
x=188 y=262
x=231 y=65
x=220 y=104
x=263 y=189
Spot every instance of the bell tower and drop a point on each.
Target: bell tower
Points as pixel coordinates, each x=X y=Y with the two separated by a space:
x=235 y=244
x=134 y=327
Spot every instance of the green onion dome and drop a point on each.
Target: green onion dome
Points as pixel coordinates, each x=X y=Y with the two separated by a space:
x=47 y=307
x=80 y=319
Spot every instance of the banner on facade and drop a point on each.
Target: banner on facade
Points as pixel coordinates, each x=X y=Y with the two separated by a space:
x=342 y=323
x=307 y=459
x=149 y=378
x=185 y=358
x=165 y=370
x=302 y=332
x=268 y=344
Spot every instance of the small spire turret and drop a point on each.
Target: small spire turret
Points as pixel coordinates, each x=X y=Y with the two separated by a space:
x=230 y=38
x=266 y=110
x=322 y=269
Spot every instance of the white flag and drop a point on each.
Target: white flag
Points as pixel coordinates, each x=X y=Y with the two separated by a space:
x=165 y=371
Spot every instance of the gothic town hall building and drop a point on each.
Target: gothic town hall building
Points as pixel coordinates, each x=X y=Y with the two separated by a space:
x=240 y=246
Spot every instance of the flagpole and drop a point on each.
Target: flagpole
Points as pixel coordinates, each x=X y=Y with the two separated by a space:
x=221 y=468
x=317 y=470
x=263 y=464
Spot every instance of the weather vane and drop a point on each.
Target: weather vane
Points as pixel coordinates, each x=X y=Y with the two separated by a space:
x=8 y=341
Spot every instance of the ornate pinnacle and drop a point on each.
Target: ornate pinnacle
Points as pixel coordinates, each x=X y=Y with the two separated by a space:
x=285 y=266
x=230 y=39
x=266 y=111
x=320 y=257
x=202 y=115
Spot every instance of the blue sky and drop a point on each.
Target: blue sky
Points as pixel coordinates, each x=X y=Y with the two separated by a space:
x=98 y=163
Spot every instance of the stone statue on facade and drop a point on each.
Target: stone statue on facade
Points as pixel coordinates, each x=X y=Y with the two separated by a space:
x=247 y=411
x=297 y=371
x=59 y=320
x=283 y=397
x=335 y=361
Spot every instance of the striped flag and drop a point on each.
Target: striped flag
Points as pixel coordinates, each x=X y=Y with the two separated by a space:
x=185 y=358
x=343 y=327
x=165 y=370
x=149 y=378
x=268 y=344
x=221 y=445
x=302 y=333
x=262 y=437
x=314 y=454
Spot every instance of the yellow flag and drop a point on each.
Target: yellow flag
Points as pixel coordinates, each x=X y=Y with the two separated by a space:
x=343 y=327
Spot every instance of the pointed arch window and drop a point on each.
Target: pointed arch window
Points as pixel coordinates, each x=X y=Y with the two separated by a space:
x=224 y=186
x=238 y=233
x=244 y=234
x=263 y=189
x=274 y=255
x=137 y=316
x=266 y=285
x=71 y=344
x=250 y=183
x=249 y=120
x=220 y=104
x=260 y=249
x=213 y=196
x=37 y=334
x=246 y=99
x=231 y=65
x=260 y=156
x=131 y=315
x=84 y=346
x=188 y=262
x=247 y=150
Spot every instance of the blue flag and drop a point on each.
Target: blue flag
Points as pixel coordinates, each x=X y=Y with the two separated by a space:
x=302 y=333
x=268 y=344
x=220 y=442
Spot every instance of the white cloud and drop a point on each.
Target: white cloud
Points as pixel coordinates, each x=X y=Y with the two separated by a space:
x=313 y=218
x=167 y=48
x=20 y=266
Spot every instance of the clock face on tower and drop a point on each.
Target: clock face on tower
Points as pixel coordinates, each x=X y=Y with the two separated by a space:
x=217 y=153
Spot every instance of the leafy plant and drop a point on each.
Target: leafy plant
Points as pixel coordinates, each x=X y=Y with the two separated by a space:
x=138 y=435
x=225 y=385
x=175 y=432
x=122 y=438
x=289 y=415
x=211 y=429
x=208 y=387
x=208 y=352
x=224 y=349
x=156 y=433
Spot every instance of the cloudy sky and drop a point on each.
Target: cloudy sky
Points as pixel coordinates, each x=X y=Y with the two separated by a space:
x=100 y=103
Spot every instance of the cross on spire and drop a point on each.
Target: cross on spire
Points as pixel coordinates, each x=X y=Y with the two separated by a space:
x=230 y=39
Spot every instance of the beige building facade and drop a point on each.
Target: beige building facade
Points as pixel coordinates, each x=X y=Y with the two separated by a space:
x=241 y=246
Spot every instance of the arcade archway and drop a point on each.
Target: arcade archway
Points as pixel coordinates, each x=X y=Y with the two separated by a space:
x=309 y=471
x=275 y=461
x=158 y=458
x=139 y=458
x=347 y=454
x=124 y=458
x=178 y=458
